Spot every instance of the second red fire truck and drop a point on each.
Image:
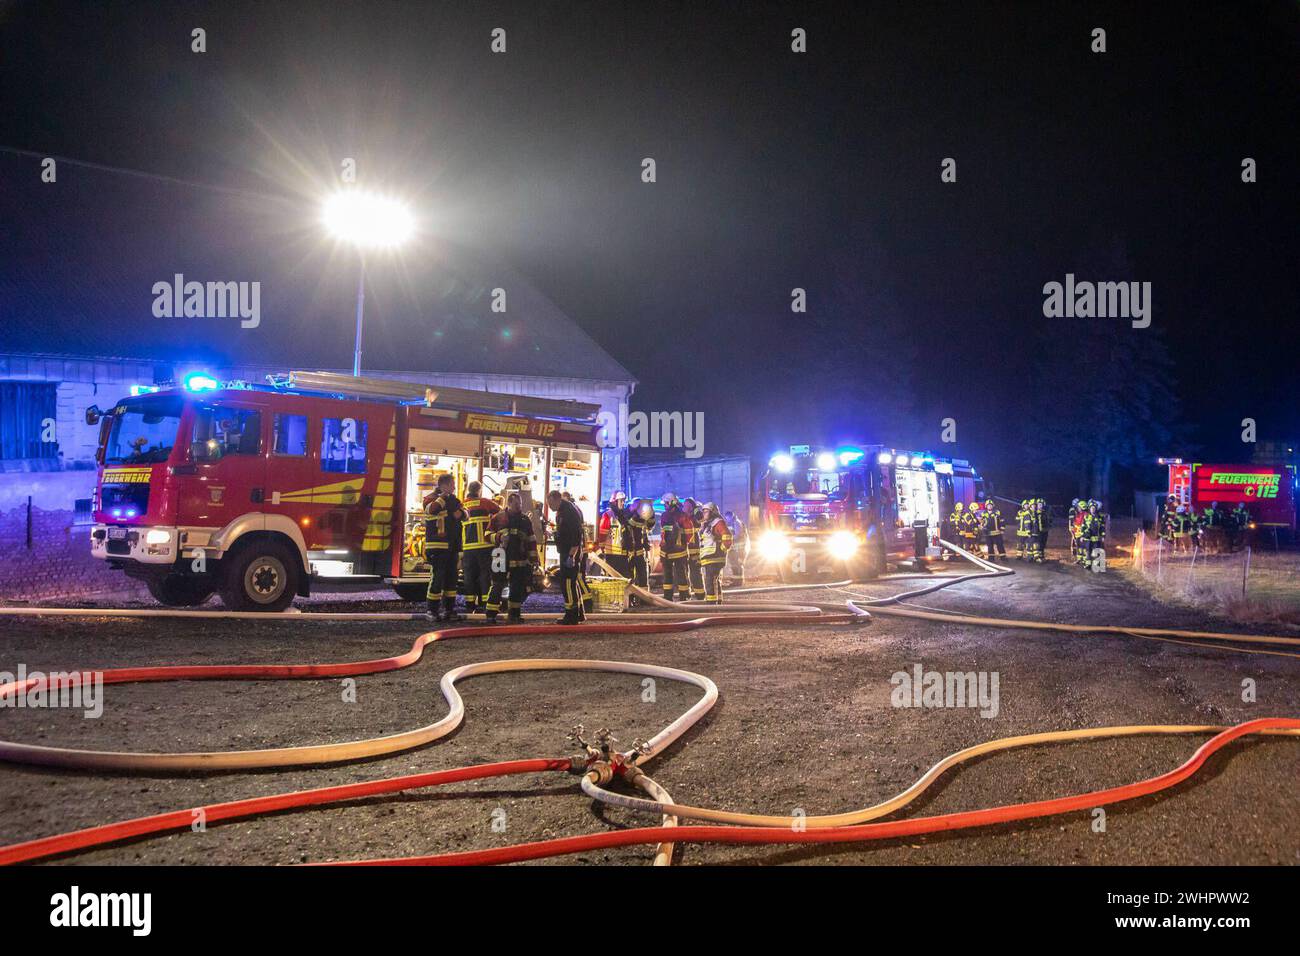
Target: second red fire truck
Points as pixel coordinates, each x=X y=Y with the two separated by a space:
x=851 y=509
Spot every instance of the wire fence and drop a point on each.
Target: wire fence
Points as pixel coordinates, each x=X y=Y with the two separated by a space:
x=1257 y=584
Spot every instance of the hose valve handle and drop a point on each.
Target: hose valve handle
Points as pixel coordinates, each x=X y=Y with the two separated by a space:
x=604 y=738
x=641 y=748
x=575 y=737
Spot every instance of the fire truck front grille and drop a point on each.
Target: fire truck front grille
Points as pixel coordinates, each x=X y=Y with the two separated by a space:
x=125 y=500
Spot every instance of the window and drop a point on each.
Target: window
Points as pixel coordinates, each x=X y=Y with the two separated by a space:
x=27 y=413
x=290 y=434
x=343 y=445
x=143 y=432
x=219 y=432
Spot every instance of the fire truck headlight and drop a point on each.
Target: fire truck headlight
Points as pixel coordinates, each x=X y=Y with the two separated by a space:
x=157 y=536
x=842 y=545
x=773 y=546
x=825 y=461
x=782 y=463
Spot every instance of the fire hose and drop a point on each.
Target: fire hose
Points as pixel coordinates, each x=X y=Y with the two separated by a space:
x=753 y=828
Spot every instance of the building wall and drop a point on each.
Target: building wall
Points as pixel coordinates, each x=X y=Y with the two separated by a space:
x=724 y=481
x=59 y=561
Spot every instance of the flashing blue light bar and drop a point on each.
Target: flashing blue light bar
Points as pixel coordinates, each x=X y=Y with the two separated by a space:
x=143 y=389
x=849 y=455
x=200 y=382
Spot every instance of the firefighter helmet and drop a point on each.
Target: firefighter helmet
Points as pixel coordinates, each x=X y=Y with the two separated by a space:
x=957 y=506
x=618 y=496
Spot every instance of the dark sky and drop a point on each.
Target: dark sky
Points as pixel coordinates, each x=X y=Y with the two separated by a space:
x=775 y=170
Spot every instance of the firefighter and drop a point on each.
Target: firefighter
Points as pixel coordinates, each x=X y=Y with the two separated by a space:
x=1182 y=528
x=1238 y=524
x=968 y=528
x=513 y=558
x=568 y=543
x=991 y=529
x=739 y=552
x=1079 y=543
x=1094 y=533
x=443 y=513
x=1209 y=527
x=692 y=508
x=1024 y=530
x=1165 y=528
x=715 y=542
x=956 y=519
x=641 y=523
x=1042 y=522
x=673 y=528
x=476 y=560
x=615 y=534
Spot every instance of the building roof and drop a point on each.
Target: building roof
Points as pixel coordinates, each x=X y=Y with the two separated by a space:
x=79 y=259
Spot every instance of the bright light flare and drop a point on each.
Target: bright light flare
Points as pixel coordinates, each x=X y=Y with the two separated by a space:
x=773 y=546
x=368 y=219
x=842 y=545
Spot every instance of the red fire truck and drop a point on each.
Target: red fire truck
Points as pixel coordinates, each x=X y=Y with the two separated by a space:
x=1267 y=491
x=254 y=491
x=851 y=509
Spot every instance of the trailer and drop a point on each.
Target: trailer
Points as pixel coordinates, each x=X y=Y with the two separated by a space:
x=255 y=491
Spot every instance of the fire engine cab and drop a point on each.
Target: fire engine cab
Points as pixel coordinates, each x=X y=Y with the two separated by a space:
x=253 y=491
x=851 y=509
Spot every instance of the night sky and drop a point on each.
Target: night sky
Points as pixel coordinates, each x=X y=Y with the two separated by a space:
x=775 y=170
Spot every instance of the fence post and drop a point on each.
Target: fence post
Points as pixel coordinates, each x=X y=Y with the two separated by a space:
x=1245 y=572
x=1187 y=585
x=29 y=522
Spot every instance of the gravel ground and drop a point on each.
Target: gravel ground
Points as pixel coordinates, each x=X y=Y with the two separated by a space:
x=804 y=721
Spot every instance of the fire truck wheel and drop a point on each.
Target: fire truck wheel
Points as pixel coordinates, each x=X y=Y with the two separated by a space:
x=261 y=576
x=178 y=590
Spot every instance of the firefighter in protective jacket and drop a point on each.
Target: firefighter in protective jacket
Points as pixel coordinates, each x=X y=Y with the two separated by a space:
x=696 y=514
x=476 y=562
x=673 y=525
x=991 y=528
x=442 y=542
x=715 y=542
x=614 y=534
x=513 y=556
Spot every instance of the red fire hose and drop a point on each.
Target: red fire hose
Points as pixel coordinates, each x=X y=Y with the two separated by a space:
x=850 y=834
x=256 y=806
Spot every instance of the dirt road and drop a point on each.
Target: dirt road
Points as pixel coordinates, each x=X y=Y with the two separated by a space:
x=805 y=721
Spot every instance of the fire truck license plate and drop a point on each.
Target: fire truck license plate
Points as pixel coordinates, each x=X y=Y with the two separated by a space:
x=117 y=533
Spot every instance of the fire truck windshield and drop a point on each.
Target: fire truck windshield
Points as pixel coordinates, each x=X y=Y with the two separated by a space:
x=143 y=432
x=802 y=482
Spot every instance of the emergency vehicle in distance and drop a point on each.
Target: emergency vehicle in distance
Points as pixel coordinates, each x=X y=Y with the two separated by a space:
x=1268 y=492
x=251 y=491
x=851 y=509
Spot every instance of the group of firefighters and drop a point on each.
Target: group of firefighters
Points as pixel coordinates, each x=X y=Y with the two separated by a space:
x=697 y=542
x=1213 y=528
x=980 y=528
x=477 y=547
